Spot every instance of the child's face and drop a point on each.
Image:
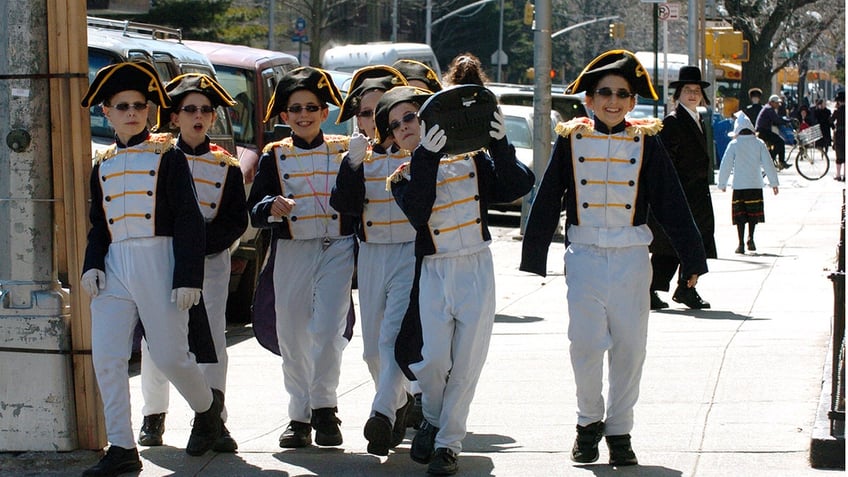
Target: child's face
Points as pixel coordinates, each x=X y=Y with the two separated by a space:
x=611 y=109
x=194 y=125
x=365 y=116
x=124 y=116
x=304 y=123
x=404 y=125
x=691 y=96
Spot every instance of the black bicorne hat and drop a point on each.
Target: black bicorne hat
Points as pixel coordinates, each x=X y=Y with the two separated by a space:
x=138 y=76
x=620 y=62
x=380 y=77
x=187 y=83
x=416 y=70
x=393 y=97
x=306 y=77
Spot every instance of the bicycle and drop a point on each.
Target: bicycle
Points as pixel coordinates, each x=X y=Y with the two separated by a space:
x=810 y=161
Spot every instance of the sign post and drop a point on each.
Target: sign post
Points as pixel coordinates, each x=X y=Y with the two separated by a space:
x=299 y=36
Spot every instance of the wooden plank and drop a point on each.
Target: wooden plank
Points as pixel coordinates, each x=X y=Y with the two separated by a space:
x=71 y=143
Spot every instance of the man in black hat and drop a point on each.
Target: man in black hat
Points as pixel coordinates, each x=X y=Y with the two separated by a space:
x=143 y=262
x=837 y=122
x=753 y=109
x=606 y=173
x=219 y=185
x=311 y=266
x=683 y=135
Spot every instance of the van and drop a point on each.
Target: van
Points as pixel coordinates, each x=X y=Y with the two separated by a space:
x=116 y=41
x=352 y=57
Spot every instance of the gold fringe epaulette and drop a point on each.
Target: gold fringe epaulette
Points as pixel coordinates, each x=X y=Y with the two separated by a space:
x=333 y=139
x=160 y=143
x=108 y=153
x=224 y=155
x=402 y=172
x=576 y=124
x=643 y=127
x=285 y=143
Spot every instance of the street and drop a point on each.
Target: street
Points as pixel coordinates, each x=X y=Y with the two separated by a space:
x=731 y=391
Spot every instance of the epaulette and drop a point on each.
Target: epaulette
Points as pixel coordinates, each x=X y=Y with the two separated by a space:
x=402 y=172
x=581 y=123
x=159 y=143
x=337 y=139
x=161 y=138
x=108 y=153
x=643 y=126
x=285 y=143
x=223 y=155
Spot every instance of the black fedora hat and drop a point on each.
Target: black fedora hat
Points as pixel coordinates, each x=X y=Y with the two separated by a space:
x=689 y=75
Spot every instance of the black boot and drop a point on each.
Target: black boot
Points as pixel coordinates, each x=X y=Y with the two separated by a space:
x=444 y=462
x=116 y=461
x=621 y=453
x=326 y=424
x=422 y=450
x=656 y=301
x=208 y=426
x=297 y=434
x=378 y=432
x=399 y=429
x=225 y=443
x=689 y=297
x=152 y=429
x=585 y=450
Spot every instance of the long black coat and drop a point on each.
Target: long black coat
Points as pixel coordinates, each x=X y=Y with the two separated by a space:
x=687 y=147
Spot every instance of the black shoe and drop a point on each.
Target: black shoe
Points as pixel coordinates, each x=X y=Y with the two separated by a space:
x=326 y=424
x=621 y=453
x=225 y=443
x=740 y=249
x=443 y=463
x=585 y=450
x=116 y=461
x=297 y=434
x=151 y=431
x=751 y=245
x=415 y=414
x=785 y=165
x=656 y=301
x=690 y=298
x=421 y=450
x=207 y=426
x=399 y=429
x=378 y=432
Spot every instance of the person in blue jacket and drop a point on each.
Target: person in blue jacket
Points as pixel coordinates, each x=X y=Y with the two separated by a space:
x=606 y=173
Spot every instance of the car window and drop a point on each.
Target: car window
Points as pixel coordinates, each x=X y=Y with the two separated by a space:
x=518 y=132
x=239 y=83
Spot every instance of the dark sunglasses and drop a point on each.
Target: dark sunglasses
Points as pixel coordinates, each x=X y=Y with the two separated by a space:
x=407 y=118
x=127 y=106
x=365 y=114
x=191 y=109
x=312 y=108
x=621 y=93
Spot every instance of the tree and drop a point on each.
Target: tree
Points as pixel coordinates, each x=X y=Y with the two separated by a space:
x=784 y=26
x=198 y=19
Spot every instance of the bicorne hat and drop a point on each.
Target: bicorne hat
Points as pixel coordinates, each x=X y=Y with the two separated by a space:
x=416 y=70
x=619 y=62
x=368 y=78
x=187 y=83
x=138 y=76
x=306 y=77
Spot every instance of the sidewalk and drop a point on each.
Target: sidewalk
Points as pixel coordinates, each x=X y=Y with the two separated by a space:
x=731 y=391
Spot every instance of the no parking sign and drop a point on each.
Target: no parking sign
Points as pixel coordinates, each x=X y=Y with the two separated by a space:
x=668 y=11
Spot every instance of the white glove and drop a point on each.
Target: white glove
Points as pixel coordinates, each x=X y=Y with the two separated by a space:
x=185 y=297
x=498 y=131
x=93 y=281
x=434 y=139
x=357 y=150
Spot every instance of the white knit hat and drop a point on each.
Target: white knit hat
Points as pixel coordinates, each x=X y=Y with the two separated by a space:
x=742 y=122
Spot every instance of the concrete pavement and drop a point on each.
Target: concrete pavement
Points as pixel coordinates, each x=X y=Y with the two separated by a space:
x=729 y=391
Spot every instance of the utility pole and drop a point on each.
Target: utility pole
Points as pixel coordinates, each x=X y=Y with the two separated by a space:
x=41 y=93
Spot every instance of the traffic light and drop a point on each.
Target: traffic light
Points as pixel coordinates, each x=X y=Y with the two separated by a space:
x=528 y=13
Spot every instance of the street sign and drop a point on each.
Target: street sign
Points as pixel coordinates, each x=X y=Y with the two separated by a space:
x=300 y=24
x=504 y=59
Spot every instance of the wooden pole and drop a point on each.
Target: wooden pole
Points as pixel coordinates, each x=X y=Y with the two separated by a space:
x=71 y=147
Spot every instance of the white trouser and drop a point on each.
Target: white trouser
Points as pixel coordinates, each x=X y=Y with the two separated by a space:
x=608 y=306
x=154 y=384
x=457 y=302
x=385 y=273
x=139 y=273
x=312 y=297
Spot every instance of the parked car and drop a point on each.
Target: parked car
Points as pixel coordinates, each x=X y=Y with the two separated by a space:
x=519 y=130
x=350 y=58
x=567 y=105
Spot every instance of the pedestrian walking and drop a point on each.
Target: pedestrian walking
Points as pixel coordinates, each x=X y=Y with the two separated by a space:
x=684 y=138
x=606 y=173
x=219 y=185
x=386 y=260
x=837 y=122
x=312 y=253
x=822 y=115
x=446 y=199
x=747 y=159
x=143 y=262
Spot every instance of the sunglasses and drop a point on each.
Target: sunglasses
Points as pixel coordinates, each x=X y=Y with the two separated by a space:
x=312 y=108
x=365 y=114
x=407 y=118
x=608 y=92
x=191 y=109
x=127 y=106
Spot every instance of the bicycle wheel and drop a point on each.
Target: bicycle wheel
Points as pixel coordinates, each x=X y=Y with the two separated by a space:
x=811 y=163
